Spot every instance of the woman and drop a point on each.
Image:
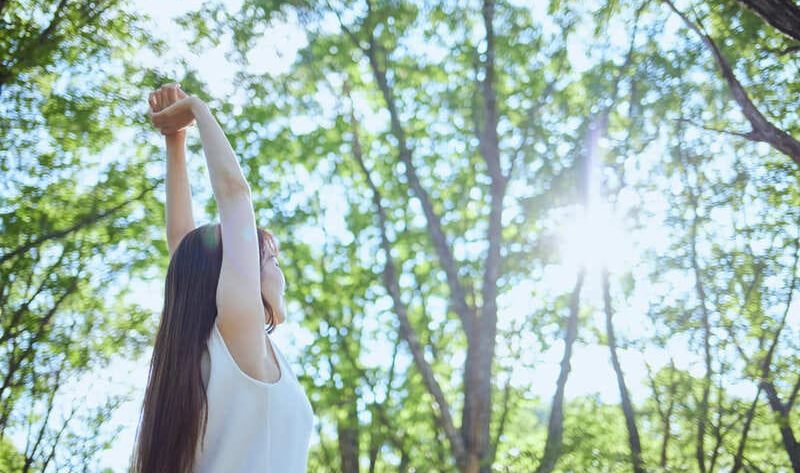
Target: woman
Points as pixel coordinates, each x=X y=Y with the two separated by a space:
x=221 y=397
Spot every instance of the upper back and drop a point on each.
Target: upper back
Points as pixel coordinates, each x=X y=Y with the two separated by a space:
x=252 y=425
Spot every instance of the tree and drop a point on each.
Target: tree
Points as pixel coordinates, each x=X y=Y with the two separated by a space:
x=72 y=223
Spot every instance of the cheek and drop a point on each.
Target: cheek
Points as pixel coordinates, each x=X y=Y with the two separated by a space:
x=271 y=278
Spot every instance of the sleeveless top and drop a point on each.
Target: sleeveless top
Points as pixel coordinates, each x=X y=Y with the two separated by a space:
x=253 y=426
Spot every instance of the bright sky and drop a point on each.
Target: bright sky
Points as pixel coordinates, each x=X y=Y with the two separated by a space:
x=591 y=372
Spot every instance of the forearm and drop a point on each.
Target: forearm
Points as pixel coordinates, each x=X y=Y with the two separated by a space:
x=226 y=176
x=180 y=220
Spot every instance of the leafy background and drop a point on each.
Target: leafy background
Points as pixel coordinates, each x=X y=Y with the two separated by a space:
x=517 y=237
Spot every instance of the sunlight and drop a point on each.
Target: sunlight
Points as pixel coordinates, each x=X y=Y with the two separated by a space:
x=595 y=238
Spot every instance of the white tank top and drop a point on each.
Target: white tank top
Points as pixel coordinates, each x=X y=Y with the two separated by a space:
x=253 y=426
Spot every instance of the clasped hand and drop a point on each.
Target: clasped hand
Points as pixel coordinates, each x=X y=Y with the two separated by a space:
x=171 y=109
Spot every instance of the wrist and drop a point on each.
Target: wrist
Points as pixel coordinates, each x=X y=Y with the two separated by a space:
x=177 y=139
x=197 y=106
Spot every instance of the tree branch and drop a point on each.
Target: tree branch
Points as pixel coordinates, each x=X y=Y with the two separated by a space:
x=83 y=222
x=705 y=321
x=11 y=330
x=391 y=282
x=787 y=434
x=738 y=458
x=555 y=424
x=763 y=129
x=750 y=135
x=502 y=424
x=793 y=395
x=446 y=258
x=784 y=15
x=627 y=405
x=767 y=361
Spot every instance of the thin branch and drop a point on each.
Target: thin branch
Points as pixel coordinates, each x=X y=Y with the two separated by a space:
x=24 y=53
x=767 y=361
x=793 y=395
x=435 y=230
x=13 y=329
x=783 y=52
x=15 y=362
x=705 y=320
x=391 y=282
x=738 y=458
x=504 y=410
x=750 y=135
x=30 y=456
x=750 y=291
x=82 y=222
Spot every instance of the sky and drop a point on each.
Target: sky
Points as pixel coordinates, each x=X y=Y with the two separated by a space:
x=591 y=369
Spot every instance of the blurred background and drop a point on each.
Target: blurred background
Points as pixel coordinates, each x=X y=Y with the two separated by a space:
x=518 y=236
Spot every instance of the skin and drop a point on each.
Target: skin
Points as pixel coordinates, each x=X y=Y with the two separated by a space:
x=273 y=285
x=173 y=124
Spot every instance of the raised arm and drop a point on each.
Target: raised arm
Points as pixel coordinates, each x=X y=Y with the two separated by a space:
x=241 y=315
x=180 y=220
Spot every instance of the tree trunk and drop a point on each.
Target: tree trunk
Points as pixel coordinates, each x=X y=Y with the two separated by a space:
x=627 y=405
x=347 y=430
x=555 y=426
x=488 y=142
x=784 y=15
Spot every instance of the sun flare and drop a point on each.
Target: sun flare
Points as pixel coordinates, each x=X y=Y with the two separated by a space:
x=595 y=238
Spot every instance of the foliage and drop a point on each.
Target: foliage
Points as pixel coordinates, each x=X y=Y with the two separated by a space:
x=621 y=87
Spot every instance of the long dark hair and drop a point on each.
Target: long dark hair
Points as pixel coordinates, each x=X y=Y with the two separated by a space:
x=175 y=398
